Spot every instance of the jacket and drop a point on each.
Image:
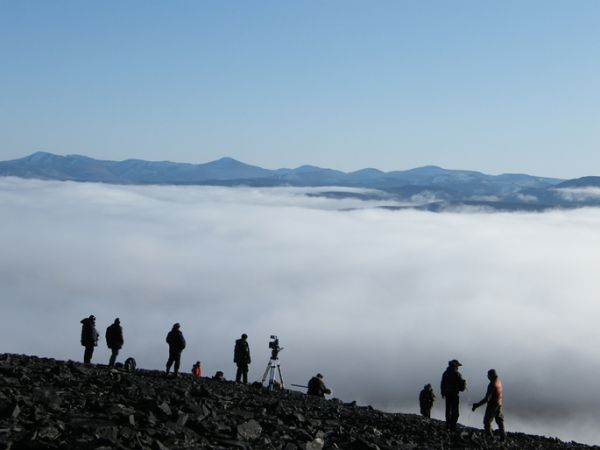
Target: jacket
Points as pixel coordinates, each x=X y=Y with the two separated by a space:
x=175 y=340
x=426 y=398
x=452 y=383
x=89 y=334
x=241 y=353
x=316 y=387
x=114 y=336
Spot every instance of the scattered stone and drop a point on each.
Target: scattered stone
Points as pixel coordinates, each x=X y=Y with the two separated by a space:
x=48 y=404
x=250 y=430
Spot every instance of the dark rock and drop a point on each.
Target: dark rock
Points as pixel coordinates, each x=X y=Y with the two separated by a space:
x=46 y=404
x=249 y=431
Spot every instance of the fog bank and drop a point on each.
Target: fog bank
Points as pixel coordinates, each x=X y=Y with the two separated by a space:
x=376 y=300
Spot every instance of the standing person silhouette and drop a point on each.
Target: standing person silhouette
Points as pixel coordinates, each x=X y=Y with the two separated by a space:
x=452 y=385
x=493 y=410
x=241 y=356
x=89 y=337
x=176 y=343
x=426 y=399
x=114 y=340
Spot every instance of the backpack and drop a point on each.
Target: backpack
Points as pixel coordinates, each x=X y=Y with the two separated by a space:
x=129 y=365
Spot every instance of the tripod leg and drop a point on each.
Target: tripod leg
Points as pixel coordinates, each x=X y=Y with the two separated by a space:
x=271 y=376
x=280 y=376
x=266 y=372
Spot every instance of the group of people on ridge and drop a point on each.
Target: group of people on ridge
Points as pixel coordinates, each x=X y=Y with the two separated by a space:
x=452 y=385
x=176 y=343
x=89 y=339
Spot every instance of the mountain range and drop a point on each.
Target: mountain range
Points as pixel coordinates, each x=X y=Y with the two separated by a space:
x=429 y=187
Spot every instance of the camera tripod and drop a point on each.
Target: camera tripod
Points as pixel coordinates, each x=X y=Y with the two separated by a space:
x=273 y=365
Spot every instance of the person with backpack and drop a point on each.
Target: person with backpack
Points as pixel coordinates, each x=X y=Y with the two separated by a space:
x=452 y=385
x=241 y=357
x=114 y=340
x=176 y=343
x=426 y=399
x=89 y=337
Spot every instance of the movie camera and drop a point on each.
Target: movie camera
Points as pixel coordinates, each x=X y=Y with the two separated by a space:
x=273 y=369
x=274 y=346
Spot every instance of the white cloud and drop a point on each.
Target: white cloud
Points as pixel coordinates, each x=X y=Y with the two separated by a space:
x=579 y=194
x=527 y=198
x=376 y=300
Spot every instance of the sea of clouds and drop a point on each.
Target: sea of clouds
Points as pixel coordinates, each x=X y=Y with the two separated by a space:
x=376 y=300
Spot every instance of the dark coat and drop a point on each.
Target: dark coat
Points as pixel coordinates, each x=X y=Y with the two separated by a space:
x=114 y=336
x=241 y=353
x=89 y=334
x=317 y=387
x=176 y=340
x=426 y=398
x=452 y=383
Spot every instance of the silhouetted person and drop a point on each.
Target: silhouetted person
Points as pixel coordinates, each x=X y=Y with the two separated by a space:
x=493 y=410
x=241 y=356
x=176 y=345
x=114 y=340
x=426 y=399
x=219 y=376
x=452 y=384
x=317 y=387
x=89 y=337
x=196 y=370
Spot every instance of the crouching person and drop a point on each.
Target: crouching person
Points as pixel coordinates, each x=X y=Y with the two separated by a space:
x=317 y=387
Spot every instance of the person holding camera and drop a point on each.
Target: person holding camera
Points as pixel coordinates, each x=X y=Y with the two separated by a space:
x=241 y=357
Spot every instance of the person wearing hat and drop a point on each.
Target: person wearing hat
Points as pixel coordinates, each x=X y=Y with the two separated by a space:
x=493 y=410
x=89 y=337
x=114 y=340
x=317 y=387
x=452 y=385
x=176 y=343
x=241 y=357
x=426 y=399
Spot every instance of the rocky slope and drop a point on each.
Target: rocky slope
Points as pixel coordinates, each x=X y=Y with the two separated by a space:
x=47 y=404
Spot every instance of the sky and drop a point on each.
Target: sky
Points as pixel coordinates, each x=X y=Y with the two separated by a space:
x=498 y=87
x=378 y=301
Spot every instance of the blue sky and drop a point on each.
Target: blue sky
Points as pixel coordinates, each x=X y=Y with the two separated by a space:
x=505 y=86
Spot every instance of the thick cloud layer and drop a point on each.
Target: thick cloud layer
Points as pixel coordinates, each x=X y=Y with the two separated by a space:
x=376 y=300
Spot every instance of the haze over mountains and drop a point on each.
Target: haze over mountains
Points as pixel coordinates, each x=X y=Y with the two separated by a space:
x=429 y=187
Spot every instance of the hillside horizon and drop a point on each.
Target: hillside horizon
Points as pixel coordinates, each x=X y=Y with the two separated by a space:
x=430 y=188
x=49 y=403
